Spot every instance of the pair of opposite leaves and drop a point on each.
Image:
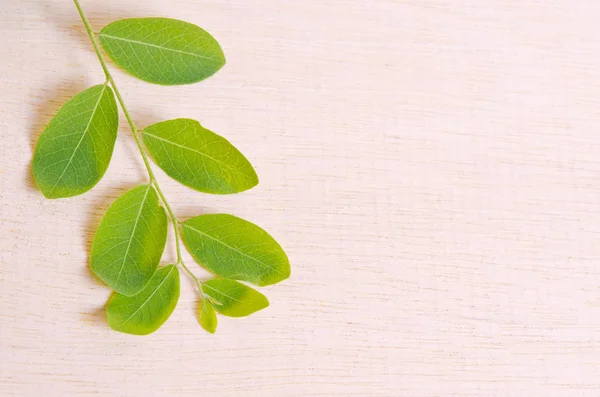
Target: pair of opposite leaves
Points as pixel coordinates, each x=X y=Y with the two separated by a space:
x=75 y=149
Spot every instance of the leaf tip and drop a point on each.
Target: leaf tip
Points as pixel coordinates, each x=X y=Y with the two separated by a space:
x=48 y=193
x=282 y=275
x=264 y=304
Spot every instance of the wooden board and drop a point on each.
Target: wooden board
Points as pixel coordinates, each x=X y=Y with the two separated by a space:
x=431 y=167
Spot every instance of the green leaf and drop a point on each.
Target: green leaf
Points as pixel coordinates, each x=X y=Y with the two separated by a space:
x=145 y=312
x=234 y=299
x=162 y=50
x=130 y=241
x=208 y=316
x=199 y=158
x=74 y=150
x=237 y=249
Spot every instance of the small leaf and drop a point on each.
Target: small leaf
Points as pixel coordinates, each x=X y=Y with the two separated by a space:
x=208 y=316
x=130 y=241
x=234 y=299
x=237 y=249
x=73 y=152
x=199 y=158
x=145 y=312
x=162 y=50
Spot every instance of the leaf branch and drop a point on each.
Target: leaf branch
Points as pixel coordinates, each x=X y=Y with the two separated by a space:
x=135 y=131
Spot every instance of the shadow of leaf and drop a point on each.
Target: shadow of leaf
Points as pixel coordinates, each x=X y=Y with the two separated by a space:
x=96 y=317
x=190 y=212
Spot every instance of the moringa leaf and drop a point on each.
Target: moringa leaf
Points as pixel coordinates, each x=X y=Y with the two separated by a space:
x=73 y=152
x=145 y=312
x=199 y=158
x=208 y=316
x=162 y=50
x=130 y=241
x=234 y=299
x=234 y=248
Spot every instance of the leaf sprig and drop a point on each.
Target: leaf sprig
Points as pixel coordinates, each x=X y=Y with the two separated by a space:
x=73 y=154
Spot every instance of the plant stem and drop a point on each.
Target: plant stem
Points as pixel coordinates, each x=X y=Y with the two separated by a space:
x=134 y=131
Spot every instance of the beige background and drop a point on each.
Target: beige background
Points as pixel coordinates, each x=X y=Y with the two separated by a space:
x=431 y=167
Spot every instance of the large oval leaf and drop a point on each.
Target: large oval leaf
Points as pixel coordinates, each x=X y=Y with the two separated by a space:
x=162 y=50
x=130 y=241
x=74 y=151
x=234 y=299
x=237 y=249
x=199 y=158
x=145 y=312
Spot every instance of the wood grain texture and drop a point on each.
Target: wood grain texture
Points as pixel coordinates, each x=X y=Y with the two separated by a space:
x=431 y=167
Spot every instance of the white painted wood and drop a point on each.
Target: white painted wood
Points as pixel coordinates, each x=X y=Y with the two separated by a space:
x=431 y=167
